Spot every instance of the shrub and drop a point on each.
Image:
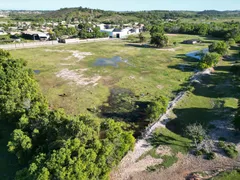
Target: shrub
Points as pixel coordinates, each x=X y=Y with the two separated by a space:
x=221 y=144
x=168 y=161
x=152 y=168
x=210 y=156
x=231 y=151
x=219 y=47
x=195 y=132
x=198 y=153
x=209 y=60
x=156 y=108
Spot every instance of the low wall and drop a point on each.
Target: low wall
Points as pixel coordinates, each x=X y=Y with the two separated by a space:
x=28 y=45
x=49 y=43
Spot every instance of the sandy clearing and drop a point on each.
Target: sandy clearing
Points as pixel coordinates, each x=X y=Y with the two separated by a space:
x=170 y=49
x=76 y=54
x=77 y=77
x=185 y=166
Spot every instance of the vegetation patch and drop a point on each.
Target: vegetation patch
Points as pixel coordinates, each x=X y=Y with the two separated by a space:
x=177 y=143
x=229 y=149
x=229 y=175
x=168 y=161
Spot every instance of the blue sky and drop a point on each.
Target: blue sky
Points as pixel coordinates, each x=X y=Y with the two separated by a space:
x=123 y=5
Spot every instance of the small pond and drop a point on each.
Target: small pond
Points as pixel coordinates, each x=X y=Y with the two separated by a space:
x=110 y=61
x=36 y=71
x=197 y=54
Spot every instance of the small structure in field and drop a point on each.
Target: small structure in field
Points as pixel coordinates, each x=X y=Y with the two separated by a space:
x=35 y=35
x=192 y=41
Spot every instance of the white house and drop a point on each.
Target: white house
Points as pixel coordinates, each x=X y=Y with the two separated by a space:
x=35 y=35
x=101 y=26
x=2 y=32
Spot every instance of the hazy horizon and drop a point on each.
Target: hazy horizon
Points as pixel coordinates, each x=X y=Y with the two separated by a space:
x=124 y=5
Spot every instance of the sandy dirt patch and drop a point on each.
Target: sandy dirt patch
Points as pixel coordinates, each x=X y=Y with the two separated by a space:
x=186 y=165
x=77 y=77
x=76 y=54
x=160 y=86
x=169 y=49
x=164 y=150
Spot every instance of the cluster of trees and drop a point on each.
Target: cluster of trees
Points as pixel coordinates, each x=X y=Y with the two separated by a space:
x=60 y=31
x=49 y=143
x=157 y=36
x=227 y=30
x=216 y=50
x=80 y=13
x=87 y=30
x=83 y=31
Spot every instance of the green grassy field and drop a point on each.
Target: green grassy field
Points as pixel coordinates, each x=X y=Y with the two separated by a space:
x=152 y=72
x=214 y=98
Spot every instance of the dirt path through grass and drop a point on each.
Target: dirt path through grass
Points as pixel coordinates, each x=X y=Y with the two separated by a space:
x=129 y=164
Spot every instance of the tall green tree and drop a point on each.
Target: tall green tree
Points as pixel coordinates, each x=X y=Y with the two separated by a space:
x=159 y=40
x=219 y=47
x=209 y=60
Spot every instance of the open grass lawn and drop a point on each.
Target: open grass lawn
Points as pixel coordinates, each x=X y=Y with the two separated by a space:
x=177 y=143
x=214 y=98
x=148 y=72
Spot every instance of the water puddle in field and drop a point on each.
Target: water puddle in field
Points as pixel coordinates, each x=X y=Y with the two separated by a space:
x=36 y=71
x=110 y=61
x=197 y=54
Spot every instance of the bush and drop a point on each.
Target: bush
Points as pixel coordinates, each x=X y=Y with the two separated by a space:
x=221 y=144
x=156 y=108
x=219 y=47
x=231 y=151
x=168 y=161
x=152 y=168
x=198 y=153
x=210 y=156
x=209 y=60
x=196 y=132
x=159 y=40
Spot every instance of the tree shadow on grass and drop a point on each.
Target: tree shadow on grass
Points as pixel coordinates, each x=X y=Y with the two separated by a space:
x=186 y=58
x=9 y=162
x=123 y=105
x=203 y=116
x=217 y=85
x=139 y=45
x=183 y=67
x=162 y=139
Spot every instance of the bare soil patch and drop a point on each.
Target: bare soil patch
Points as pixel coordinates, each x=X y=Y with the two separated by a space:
x=77 y=77
x=167 y=49
x=164 y=150
x=185 y=166
x=76 y=54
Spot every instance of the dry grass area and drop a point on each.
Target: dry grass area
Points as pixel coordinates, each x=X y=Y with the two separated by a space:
x=77 y=77
x=185 y=166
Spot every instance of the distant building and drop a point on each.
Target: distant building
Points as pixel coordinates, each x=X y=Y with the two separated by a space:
x=2 y=32
x=35 y=35
x=191 y=41
x=120 y=33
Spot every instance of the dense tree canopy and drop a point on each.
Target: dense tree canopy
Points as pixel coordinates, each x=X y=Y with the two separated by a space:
x=51 y=144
